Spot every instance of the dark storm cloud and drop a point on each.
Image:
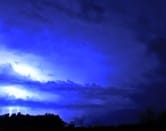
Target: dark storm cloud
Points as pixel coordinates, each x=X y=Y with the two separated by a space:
x=82 y=9
x=157 y=46
x=41 y=12
x=152 y=97
x=146 y=19
x=152 y=30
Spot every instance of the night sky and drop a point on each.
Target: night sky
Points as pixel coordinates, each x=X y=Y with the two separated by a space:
x=90 y=61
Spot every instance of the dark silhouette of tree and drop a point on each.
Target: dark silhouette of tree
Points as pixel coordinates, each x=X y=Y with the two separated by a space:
x=20 y=121
x=162 y=118
x=148 y=117
x=53 y=122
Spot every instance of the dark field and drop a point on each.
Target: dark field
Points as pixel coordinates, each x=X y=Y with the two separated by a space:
x=52 y=122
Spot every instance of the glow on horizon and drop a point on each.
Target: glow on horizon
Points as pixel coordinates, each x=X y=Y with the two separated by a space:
x=14 y=109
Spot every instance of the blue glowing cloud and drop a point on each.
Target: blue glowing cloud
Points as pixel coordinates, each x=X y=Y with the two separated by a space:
x=56 y=59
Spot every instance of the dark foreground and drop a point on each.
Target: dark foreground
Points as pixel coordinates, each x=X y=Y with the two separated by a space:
x=50 y=122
